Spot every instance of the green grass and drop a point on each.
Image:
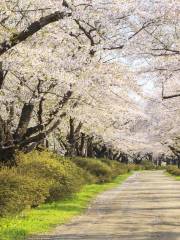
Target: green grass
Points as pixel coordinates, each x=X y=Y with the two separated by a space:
x=171 y=175
x=176 y=177
x=47 y=216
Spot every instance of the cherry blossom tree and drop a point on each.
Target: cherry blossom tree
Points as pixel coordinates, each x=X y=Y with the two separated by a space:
x=67 y=59
x=38 y=46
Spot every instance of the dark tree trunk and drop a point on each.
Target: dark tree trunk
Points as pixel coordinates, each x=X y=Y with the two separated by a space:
x=82 y=145
x=90 y=152
x=1 y=75
x=24 y=121
x=178 y=161
x=114 y=156
x=24 y=138
x=71 y=140
x=7 y=149
x=100 y=151
x=160 y=162
x=124 y=158
x=74 y=139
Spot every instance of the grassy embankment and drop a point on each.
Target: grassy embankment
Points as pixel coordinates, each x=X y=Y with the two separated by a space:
x=173 y=171
x=47 y=216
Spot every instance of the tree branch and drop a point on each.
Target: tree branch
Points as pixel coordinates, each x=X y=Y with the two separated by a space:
x=172 y=96
x=164 y=97
x=31 y=30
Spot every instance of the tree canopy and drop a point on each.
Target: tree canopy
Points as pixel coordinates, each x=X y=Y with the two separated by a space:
x=111 y=65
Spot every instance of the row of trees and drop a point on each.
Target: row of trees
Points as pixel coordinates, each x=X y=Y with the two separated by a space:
x=78 y=143
x=45 y=54
x=33 y=96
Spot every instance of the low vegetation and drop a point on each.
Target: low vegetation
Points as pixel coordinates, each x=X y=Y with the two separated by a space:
x=100 y=171
x=62 y=175
x=44 y=190
x=48 y=215
x=45 y=177
x=174 y=170
x=148 y=165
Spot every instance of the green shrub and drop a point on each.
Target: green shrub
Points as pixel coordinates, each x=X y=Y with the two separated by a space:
x=64 y=176
x=147 y=165
x=101 y=171
x=18 y=192
x=117 y=168
x=174 y=170
x=135 y=167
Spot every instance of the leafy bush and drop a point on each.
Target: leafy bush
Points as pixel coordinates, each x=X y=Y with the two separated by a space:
x=117 y=168
x=18 y=192
x=101 y=171
x=64 y=176
x=43 y=176
x=135 y=167
x=147 y=165
x=173 y=170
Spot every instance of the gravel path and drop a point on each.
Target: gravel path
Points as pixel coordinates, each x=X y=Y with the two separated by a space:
x=145 y=207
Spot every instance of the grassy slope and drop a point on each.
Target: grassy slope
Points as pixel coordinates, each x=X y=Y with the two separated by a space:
x=176 y=177
x=171 y=175
x=47 y=216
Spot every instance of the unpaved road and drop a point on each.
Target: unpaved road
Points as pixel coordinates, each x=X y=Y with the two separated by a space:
x=145 y=207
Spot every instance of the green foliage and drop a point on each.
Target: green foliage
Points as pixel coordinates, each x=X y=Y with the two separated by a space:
x=18 y=192
x=101 y=171
x=65 y=177
x=47 y=216
x=174 y=170
x=45 y=177
x=147 y=165
x=117 y=168
x=135 y=167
